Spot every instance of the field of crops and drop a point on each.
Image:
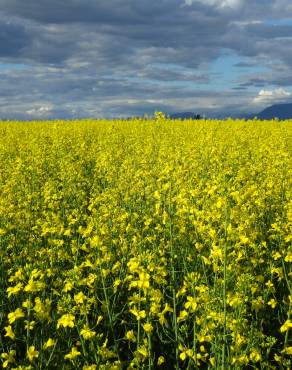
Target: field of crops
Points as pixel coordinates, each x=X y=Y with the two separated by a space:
x=145 y=244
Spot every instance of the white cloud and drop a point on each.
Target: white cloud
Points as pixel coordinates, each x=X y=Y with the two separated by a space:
x=40 y=111
x=271 y=96
x=233 y=4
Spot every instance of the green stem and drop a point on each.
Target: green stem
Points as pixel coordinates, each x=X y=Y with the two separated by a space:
x=194 y=340
x=109 y=314
x=27 y=324
x=224 y=309
x=289 y=308
x=175 y=328
x=174 y=296
x=150 y=362
x=223 y=365
x=139 y=321
x=51 y=354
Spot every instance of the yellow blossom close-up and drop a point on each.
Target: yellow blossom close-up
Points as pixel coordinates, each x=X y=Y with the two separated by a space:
x=66 y=320
x=13 y=316
x=32 y=353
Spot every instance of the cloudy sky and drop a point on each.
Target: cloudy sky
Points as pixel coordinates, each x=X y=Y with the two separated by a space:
x=116 y=58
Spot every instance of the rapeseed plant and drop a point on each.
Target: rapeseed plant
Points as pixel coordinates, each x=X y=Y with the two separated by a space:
x=145 y=243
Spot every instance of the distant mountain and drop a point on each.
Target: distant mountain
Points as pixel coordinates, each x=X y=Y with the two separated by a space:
x=185 y=115
x=281 y=111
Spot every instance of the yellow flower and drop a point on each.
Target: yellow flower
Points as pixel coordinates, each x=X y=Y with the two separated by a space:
x=258 y=303
x=8 y=358
x=205 y=338
x=49 y=343
x=139 y=314
x=79 y=298
x=42 y=309
x=68 y=286
x=244 y=239
x=167 y=308
x=288 y=257
x=276 y=255
x=32 y=353
x=142 y=350
x=143 y=281
x=287 y=351
x=277 y=358
x=116 y=266
x=131 y=336
x=272 y=303
x=269 y=284
x=89 y=367
x=255 y=356
x=162 y=320
x=9 y=332
x=185 y=352
x=27 y=304
x=212 y=361
x=12 y=316
x=116 y=284
x=160 y=360
x=87 y=333
x=286 y=326
x=66 y=320
x=14 y=290
x=148 y=328
x=183 y=356
x=182 y=315
x=191 y=304
x=29 y=325
x=73 y=354
x=239 y=360
x=34 y=286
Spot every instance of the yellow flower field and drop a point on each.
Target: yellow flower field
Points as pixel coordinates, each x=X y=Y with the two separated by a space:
x=145 y=244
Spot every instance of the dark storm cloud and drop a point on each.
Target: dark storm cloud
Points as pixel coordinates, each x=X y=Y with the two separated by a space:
x=13 y=38
x=163 y=29
x=245 y=65
x=276 y=77
x=265 y=31
x=86 y=11
x=88 y=57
